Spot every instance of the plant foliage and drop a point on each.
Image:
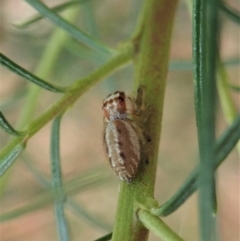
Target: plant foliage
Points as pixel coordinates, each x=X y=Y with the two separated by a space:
x=149 y=49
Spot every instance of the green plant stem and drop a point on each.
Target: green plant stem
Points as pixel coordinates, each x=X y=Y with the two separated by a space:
x=152 y=46
x=77 y=89
x=6 y=126
x=224 y=146
x=71 y=29
x=227 y=103
x=157 y=226
x=58 y=8
x=105 y=237
x=231 y=13
x=45 y=66
x=43 y=70
x=205 y=50
x=62 y=224
x=17 y=69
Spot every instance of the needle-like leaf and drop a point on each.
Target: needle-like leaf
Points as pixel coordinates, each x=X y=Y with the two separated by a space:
x=105 y=237
x=58 y=8
x=8 y=160
x=231 y=13
x=63 y=232
x=224 y=146
x=71 y=29
x=5 y=125
x=6 y=62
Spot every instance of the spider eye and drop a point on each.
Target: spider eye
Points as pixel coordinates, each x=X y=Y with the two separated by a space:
x=121 y=98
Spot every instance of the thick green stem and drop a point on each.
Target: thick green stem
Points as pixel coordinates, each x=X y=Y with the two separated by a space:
x=152 y=46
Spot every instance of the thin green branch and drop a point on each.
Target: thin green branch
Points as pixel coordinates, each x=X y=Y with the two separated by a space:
x=55 y=156
x=224 y=146
x=57 y=8
x=205 y=50
x=69 y=98
x=71 y=29
x=48 y=60
x=44 y=68
x=231 y=13
x=5 y=125
x=84 y=53
x=6 y=62
x=187 y=65
x=157 y=226
x=197 y=64
x=63 y=232
x=9 y=159
x=105 y=237
x=235 y=87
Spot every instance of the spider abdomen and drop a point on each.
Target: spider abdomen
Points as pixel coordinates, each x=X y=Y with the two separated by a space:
x=123 y=148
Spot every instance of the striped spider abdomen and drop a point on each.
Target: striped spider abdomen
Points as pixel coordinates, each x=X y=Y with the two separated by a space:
x=120 y=136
